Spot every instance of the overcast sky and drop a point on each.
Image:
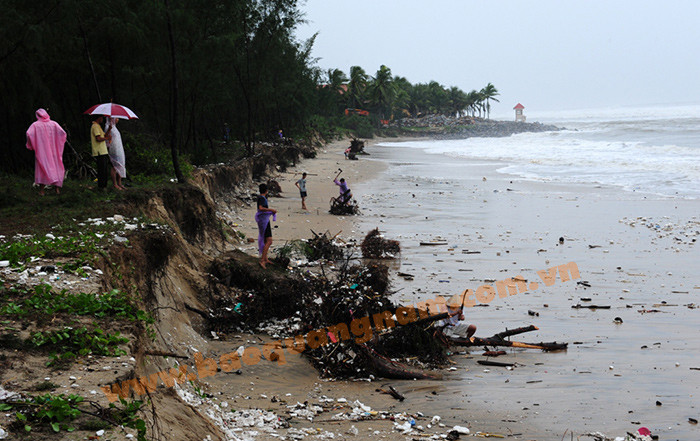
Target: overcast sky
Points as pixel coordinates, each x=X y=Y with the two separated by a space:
x=548 y=55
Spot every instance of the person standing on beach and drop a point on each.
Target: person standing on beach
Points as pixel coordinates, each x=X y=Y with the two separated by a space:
x=47 y=139
x=262 y=217
x=301 y=185
x=345 y=194
x=116 y=154
x=98 y=139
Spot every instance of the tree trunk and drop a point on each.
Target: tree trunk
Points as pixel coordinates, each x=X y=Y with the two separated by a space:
x=173 y=98
x=89 y=59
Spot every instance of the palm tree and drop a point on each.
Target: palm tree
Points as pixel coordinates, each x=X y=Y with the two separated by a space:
x=473 y=100
x=402 y=101
x=335 y=88
x=382 y=91
x=458 y=101
x=357 y=87
x=336 y=79
x=488 y=93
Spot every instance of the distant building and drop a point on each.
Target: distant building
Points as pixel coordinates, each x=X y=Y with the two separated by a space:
x=519 y=112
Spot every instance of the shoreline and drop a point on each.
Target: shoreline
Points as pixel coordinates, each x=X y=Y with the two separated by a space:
x=292 y=222
x=514 y=224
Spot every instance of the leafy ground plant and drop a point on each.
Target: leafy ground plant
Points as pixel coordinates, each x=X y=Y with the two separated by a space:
x=44 y=300
x=70 y=342
x=57 y=411
x=83 y=246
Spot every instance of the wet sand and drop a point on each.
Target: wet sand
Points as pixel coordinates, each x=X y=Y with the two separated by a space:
x=293 y=222
x=515 y=225
x=612 y=375
x=256 y=386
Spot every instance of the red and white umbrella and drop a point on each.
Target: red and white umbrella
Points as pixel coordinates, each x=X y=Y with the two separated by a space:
x=113 y=110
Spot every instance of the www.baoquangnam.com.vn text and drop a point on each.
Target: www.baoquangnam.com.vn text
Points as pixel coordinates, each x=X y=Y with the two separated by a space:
x=360 y=330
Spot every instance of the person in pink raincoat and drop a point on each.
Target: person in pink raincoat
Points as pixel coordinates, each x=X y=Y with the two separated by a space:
x=47 y=139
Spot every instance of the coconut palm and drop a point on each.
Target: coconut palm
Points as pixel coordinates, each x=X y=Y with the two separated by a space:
x=473 y=102
x=489 y=92
x=357 y=87
x=402 y=101
x=382 y=91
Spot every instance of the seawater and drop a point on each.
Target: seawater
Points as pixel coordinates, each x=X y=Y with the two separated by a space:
x=647 y=149
x=510 y=200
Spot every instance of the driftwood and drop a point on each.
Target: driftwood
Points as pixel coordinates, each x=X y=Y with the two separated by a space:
x=430 y=319
x=579 y=306
x=391 y=369
x=493 y=353
x=393 y=392
x=495 y=363
x=499 y=340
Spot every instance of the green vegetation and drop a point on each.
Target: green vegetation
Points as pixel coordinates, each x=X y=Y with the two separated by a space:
x=43 y=300
x=209 y=80
x=55 y=411
x=71 y=342
x=59 y=412
x=83 y=246
x=127 y=416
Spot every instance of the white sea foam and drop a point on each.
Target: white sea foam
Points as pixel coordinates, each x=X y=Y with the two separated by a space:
x=641 y=149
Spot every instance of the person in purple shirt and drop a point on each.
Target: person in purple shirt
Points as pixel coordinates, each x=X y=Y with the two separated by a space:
x=262 y=217
x=345 y=194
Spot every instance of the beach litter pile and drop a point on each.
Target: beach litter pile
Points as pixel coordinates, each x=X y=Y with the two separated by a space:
x=375 y=246
x=357 y=147
x=274 y=188
x=305 y=304
x=340 y=208
x=323 y=246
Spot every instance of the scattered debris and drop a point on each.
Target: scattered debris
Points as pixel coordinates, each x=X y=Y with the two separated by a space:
x=495 y=363
x=493 y=353
x=433 y=243
x=322 y=246
x=393 y=392
x=274 y=188
x=499 y=340
x=340 y=208
x=374 y=246
x=580 y=306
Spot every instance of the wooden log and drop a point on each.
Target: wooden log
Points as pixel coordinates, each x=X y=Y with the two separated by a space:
x=579 y=306
x=393 y=392
x=495 y=363
x=515 y=331
x=476 y=341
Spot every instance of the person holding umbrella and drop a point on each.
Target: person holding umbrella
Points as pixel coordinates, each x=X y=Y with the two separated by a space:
x=98 y=139
x=116 y=153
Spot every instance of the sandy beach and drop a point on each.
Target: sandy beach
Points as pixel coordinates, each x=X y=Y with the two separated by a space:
x=293 y=222
x=635 y=251
x=612 y=374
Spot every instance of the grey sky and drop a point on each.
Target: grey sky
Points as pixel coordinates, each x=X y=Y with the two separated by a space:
x=548 y=55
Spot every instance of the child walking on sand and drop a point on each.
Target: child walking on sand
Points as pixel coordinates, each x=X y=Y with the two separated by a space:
x=301 y=185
